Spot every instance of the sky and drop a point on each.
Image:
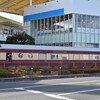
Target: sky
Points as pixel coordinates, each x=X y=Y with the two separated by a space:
x=12 y=16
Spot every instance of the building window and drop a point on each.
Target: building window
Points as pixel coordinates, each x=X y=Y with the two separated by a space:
x=54 y=56
x=20 y=55
x=42 y=56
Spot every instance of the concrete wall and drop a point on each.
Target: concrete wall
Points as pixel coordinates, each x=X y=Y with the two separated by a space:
x=89 y=7
x=49 y=6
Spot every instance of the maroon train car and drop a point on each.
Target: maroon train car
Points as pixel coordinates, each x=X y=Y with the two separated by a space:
x=29 y=55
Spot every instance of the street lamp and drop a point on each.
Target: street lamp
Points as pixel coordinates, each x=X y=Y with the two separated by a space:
x=60 y=70
x=32 y=69
x=83 y=69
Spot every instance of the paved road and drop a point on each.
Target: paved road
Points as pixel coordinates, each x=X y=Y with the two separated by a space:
x=53 y=89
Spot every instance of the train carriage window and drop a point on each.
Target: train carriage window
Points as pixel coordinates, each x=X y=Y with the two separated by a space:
x=65 y=57
x=54 y=56
x=96 y=57
x=30 y=55
x=71 y=56
x=85 y=57
x=76 y=57
x=42 y=56
x=20 y=55
x=8 y=57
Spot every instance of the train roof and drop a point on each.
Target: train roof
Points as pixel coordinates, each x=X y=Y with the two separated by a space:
x=35 y=47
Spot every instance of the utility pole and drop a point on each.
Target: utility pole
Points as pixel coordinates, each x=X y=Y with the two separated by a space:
x=31 y=2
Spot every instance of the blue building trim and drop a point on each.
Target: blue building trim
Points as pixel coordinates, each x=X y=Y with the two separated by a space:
x=44 y=15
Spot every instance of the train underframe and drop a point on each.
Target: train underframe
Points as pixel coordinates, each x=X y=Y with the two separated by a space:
x=44 y=67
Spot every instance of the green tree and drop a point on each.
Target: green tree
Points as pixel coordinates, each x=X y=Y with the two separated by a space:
x=20 y=38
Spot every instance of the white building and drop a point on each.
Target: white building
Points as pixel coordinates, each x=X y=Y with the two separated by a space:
x=8 y=27
x=73 y=23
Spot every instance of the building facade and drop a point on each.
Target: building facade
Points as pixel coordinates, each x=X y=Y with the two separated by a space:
x=72 y=23
x=8 y=27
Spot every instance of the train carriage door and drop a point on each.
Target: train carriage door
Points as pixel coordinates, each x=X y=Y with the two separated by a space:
x=8 y=57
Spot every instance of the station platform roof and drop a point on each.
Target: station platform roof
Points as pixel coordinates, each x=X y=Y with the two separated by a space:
x=17 y=6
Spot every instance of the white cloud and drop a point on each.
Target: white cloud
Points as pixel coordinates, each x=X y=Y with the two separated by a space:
x=12 y=16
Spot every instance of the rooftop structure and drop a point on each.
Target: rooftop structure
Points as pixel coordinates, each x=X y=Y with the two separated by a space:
x=17 y=6
x=54 y=48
